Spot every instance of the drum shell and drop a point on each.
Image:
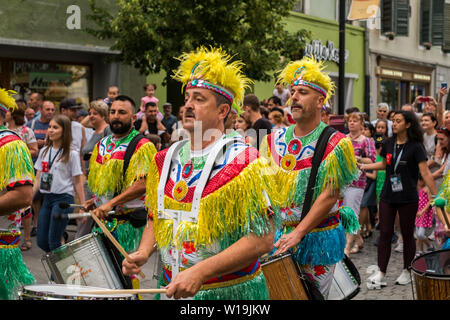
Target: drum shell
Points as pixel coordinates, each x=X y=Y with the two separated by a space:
x=429 y=286
x=284 y=278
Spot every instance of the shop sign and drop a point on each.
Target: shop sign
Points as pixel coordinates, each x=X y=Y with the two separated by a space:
x=424 y=77
x=392 y=73
x=324 y=52
x=44 y=80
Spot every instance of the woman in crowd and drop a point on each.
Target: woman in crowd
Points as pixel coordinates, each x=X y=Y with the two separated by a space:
x=369 y=200
x=403 y=158
x=365 y=153
x=276 y=118
x=58 y=175
x=243 y=123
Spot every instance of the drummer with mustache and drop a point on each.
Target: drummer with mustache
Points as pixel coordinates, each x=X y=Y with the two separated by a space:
x=318 y=240
x=209 y=216
x=113 y=188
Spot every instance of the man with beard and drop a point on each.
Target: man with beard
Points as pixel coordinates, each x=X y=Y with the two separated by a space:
x=312 y=228
x=115 y=187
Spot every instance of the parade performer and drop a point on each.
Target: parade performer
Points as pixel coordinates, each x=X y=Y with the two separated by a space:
x=16 y=183
x=318 y=240
x=208 y=211
x=115 y=189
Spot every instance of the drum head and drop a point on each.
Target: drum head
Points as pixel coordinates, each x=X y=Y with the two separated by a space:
x=435 y=264
x=67 y=292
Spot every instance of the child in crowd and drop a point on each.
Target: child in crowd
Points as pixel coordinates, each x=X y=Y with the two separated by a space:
x=381 y=128
x=149 y=97
x=424 y=219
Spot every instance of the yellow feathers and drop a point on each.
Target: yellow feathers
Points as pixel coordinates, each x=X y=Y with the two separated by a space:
x=311 y=70
x=6 y=99
x=214 y=66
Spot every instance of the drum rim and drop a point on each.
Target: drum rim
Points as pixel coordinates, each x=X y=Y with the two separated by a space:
x=277 y=257
x=28 y=293
x=430 y=274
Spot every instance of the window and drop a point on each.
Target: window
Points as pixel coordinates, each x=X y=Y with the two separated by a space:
x=299 y=6
x=433 y=24
x=395 y=17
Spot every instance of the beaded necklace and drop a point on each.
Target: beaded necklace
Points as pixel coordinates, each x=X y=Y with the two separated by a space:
x=289 y=160
x=111 y=145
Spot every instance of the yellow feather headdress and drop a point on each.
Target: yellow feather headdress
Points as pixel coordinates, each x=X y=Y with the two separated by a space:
x=212 y=69
x=7 y=102
x=308 y=72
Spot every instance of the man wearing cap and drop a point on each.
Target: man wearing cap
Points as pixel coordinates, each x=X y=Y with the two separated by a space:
x=70 y=108
x=208 y=213
x=16 y=183
x=313 y=230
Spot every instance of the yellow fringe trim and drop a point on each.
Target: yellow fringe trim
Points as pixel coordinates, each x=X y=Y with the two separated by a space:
x=107 y=178
x=280 y=184
x=335 y=163
x=15 y=163
x=139 y=163
x=218 y=216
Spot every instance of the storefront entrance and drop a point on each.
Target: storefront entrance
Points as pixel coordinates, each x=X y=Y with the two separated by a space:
x=55 y=81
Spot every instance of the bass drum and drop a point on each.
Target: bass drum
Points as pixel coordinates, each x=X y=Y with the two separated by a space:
x=431 y=274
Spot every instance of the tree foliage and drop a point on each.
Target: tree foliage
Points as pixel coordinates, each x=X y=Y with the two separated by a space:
x=151 y=33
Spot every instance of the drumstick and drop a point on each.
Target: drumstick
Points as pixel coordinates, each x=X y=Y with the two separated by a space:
x=113 y=240
x=124 y=291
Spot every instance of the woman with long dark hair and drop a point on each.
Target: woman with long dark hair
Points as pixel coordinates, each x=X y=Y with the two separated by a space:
x=404 y=156
x=58 y=174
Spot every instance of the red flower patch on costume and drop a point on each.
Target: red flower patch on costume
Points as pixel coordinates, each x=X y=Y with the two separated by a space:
x=319 y=270
x=188 y=247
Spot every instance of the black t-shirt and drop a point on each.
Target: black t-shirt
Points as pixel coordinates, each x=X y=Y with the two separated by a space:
x=408 y=169
x=262 y=127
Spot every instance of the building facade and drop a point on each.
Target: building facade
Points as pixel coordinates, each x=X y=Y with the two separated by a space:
x=44 y=47
x=408 y=51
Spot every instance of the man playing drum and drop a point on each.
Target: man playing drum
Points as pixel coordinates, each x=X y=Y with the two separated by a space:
x=16 y=183
x=209 y=214
x=318 y=240
x=113 y=188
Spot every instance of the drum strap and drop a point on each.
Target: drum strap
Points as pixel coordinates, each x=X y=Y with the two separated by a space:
x=316 y=160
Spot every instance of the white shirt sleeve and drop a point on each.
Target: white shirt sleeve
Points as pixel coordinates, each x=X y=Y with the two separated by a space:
x=38 y=164
x=75 y=165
